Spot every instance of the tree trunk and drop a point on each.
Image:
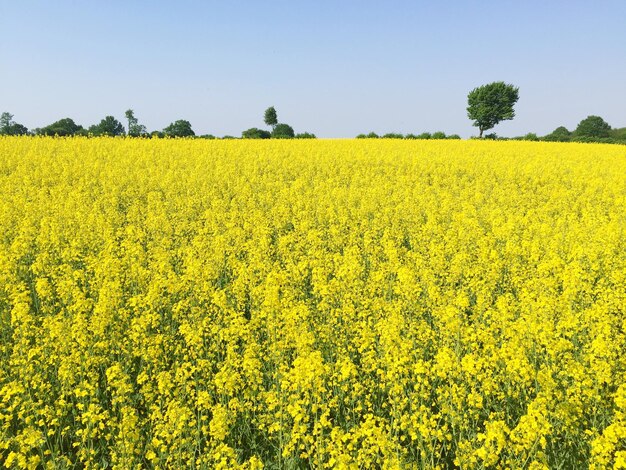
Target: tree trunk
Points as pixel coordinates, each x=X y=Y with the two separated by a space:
x=481 y=132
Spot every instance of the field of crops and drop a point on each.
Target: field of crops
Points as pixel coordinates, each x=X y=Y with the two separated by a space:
x=323 y=304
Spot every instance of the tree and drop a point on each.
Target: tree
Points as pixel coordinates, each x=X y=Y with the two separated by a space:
x=593 y=127
x=254 y=133
x=560 y=134
x=62 y=127
x=489 y=104
x=134 y=128
x=6 y=119
x=10 y=127
x=283 y=131
x=108 y=126
x=305 y=135
x=180 y=128
x=438 y=135
x=271 y=118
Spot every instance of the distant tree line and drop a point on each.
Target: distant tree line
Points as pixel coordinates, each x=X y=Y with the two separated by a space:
x=488 y=105
x=590 y=129
x=110 y=126
x=422 y=136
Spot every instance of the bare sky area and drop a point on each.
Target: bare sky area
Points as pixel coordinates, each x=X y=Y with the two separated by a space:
x=334 y=68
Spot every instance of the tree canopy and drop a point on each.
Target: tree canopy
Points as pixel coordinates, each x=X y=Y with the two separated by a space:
x=489 y=104
x=108 y=126
x=283 y=131
x=62 y=127
x=560 y=134
x=271 y=117
x=180 y=128
x=593 y=127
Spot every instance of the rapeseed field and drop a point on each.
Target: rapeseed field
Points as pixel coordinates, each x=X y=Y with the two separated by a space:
x=312 y=304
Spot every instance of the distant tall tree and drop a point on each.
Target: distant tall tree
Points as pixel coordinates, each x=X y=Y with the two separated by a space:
x=180 y=128
x=5 y=121
x=593 y=127
x=134 y=128
x=271 y=117
x=108 y=126
x=489 y=104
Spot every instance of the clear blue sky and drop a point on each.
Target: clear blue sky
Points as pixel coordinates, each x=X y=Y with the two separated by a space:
x=335 y=68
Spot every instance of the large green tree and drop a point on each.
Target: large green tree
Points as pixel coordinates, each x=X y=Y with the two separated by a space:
x=489 y=104
x=593 y=127
x=180 y=128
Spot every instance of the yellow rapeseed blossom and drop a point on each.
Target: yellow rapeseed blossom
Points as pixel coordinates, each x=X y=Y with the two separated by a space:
x=311 y=304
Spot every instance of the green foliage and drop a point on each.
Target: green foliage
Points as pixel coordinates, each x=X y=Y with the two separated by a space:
x=560 y=134
x=618 y=134
x=283 y=131
x=361 y=136
x=438 y=135
x=10 y=127
x=424 y=136
x=207 y=136
x=393 y=135
x=271 y=117
x=108 y=126
x=531 y=136
x=410 y=136
x=134 y=128
x=180 y=128
x=62 y=127
x=593 y=127
x=454 y=137
x=254 y=133
x=489 y=104
x=372 y=135
x=305 y=135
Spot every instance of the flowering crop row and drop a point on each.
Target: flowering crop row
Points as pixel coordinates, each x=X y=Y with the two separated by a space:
x=327 y=304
